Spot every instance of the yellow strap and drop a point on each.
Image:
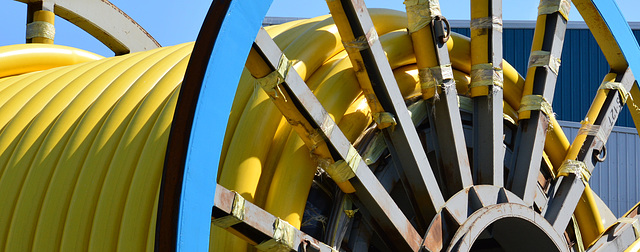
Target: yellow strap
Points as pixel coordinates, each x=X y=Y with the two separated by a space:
x=493 y=22
x=420 y=13
x=552 y=6
x=283 y=237
x=486 y=75
x=40 y=29
x=609 y=85
x=578 y=168
x=363 y=42
x=384 y=119
x=536 y=102
x=578 y=235
x=343 y=170
x=351 y=213
x=237 y=213
x=592 y=130
x=431 y=77
x=271 y=82
x=544 y=59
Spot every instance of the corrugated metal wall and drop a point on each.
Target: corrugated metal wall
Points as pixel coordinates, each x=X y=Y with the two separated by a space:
x=616 y=179
x=582 y=70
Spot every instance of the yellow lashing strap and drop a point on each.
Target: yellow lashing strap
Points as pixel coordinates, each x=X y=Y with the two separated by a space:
x=486 y=75
x=363 y=42
x=536 y=102
x=421 y=12
x=477 y=25
x=237 y=213
x=552 y=6
x=592 y=130
x=432 y=77
x=343 y=170
x=544 y=59
x=384 y=119
x=576 y=229
x=575 y=167
x=609 y=85
x=271 y=82
x=41 y=29
x=283 y=238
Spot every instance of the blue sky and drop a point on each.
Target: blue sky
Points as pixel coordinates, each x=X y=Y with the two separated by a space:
x=175 y=22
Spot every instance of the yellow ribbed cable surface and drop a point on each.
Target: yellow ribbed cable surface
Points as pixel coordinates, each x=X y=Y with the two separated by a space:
x=82 y=148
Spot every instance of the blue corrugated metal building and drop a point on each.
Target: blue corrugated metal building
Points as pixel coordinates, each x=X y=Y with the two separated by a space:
x=583 y=65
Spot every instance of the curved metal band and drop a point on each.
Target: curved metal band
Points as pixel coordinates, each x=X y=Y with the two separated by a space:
x=197 y=132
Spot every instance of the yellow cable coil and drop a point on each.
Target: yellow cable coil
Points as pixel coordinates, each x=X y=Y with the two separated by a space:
x=74 y=137
x=82 y=149
x=275 y=170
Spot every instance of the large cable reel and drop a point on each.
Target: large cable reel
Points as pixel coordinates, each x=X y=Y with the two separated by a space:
x=430 y=142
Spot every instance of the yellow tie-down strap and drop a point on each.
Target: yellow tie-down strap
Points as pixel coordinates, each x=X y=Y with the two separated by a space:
x=271 y=82
x=480 y=25
x=384 y=119
x=363 y=42
x=41 y=29
x=486 y=75
x=578 y=168
x=283 y=238
x=609 y=85
x=237 y=213
x=547 y=7
x=592 y=130
x=535 y=102
x=544 y=59
x=420 y=13
x=343 y=170
x=432 y=77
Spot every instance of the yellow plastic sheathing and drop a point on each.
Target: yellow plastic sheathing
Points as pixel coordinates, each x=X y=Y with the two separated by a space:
x=82 y=148
x=25 y=58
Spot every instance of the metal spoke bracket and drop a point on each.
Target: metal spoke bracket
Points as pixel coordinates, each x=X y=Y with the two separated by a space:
x=538 y=90
x=376 y=79
x=325 y=140
x=487 y=93
x=258 y=227
x=575 y=172
x=429 y=34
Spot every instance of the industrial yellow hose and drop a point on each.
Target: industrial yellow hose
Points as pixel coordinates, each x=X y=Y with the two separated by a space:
x=335 y=85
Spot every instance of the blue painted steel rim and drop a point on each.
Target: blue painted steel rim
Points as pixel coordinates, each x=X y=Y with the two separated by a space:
x=621 y=32
x=237 y=33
